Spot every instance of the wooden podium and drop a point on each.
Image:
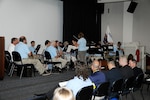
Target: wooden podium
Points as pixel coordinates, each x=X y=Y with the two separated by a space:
x=2 y=49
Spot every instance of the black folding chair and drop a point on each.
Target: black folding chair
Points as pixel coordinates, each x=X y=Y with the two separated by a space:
x=138 y=85
x=102 y=90
x=85 y=93
x=49 y=60
x=127 y=86
x=18 y=63
x=116 y=89
x=8 y=62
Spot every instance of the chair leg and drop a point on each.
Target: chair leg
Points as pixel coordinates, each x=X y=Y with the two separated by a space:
x=21 y=72
x=12 y=70
x=132 y=96
x=142 y=94
x=120 y=97
x=33 y=69
x=148 y=86
x=94 y=97
x=126 y=96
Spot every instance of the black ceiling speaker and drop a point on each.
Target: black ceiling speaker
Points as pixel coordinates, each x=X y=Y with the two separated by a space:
x=132 y=7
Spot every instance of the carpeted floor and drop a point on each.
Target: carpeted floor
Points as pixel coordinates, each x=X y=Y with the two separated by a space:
x=13 y=88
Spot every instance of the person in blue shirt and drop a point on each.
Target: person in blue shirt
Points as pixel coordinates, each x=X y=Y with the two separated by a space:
x=97 y=77
x=25 y=54
x=32 y=47
x=56 y=57
x=82 y=47
x=80 y=80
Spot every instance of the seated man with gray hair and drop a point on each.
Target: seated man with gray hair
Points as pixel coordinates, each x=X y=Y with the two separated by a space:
x=97 y=77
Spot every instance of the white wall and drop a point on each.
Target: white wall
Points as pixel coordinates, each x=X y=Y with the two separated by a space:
x=120 y=27
x=141 y=23
x=36 y=19
x=114 y=19
x=127 y=24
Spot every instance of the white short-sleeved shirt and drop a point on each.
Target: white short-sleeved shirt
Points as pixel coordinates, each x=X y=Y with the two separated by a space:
x=11 y=48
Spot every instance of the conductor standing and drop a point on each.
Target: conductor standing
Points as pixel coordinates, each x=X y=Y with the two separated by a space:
x=81 y=47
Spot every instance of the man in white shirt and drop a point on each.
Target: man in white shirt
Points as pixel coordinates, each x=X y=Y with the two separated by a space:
x=11 y=47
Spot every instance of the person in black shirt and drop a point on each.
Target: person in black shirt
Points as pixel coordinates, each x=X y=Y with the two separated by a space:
x=136 y=71
x=113 y=73
x=126 y=71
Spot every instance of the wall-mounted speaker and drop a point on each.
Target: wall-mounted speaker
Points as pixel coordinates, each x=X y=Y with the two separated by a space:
x=132 y=7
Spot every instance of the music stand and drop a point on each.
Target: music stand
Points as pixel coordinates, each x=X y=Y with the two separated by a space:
x=37 y=48
x=110 y=48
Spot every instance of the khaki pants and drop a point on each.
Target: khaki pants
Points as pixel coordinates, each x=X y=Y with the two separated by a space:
x=63 y=62
x=37 y=64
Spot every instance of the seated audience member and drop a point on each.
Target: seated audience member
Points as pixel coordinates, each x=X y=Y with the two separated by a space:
x=97 y=77
x=25 y=53
x=63 y=93
x=80 y=80
x=133 y=64
x=126 y=71
x=113 y=73
x=11 y=47
x=56 y=57
x=32 y=47
x=120 y=49
x=130 y=57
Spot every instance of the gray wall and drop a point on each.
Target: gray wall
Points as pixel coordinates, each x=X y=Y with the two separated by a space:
x=36 y=19
x=141 y=23
x=114 y=19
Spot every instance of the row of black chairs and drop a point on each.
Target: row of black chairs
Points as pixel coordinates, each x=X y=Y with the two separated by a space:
x=118 y=89
x=11 y=64
x=16 y=62
x=104 y=91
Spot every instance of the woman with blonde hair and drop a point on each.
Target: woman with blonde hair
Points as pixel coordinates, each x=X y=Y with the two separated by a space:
x=63 y=93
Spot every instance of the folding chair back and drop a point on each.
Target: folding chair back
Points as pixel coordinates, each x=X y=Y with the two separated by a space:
x=85 y=93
